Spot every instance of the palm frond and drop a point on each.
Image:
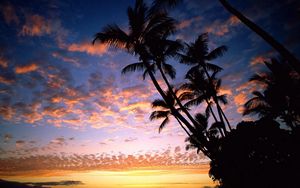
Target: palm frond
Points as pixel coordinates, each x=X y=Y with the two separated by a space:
x=213 y=67
x=218 y=52
x=113 y=36
x=159 y=103
x=194 y=102
x=222 y=98
x=163 y=124
x=139 y=66
x=151 y=69
x=169 y=70
x=159 y=114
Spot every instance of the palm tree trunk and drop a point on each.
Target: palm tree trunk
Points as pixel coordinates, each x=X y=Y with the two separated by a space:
x=207 y=153
x=202 y=145
x=176 y=98
x=214 y=116
x=226 y=120
x=219 y=109
x=292 y=60
x=186 y=131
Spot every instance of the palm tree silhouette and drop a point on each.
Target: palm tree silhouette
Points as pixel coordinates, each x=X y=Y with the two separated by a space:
x=145 y=26
x=281 y=95
x=197 y=135
x=198 y=55
x=164 y=110
x=201 y=90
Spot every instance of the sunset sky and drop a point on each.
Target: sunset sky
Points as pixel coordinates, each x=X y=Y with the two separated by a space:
x=64 y=104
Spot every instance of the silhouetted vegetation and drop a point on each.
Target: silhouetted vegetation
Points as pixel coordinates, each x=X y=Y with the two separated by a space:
x=261 y=153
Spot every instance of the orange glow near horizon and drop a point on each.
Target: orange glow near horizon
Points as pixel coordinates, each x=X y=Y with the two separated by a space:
x=173 y=177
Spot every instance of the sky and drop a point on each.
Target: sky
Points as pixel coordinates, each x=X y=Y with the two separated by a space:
x=64 y=104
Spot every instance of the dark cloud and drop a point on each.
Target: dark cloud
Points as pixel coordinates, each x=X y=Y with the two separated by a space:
x=13 y=184
x=63 y=183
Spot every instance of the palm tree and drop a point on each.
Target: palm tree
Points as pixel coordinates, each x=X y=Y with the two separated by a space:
x=281 y=95
x=164 y=113
x=291 y=59
x=164 y=110
x=212 y=132
x=198 y=55
x=144 y=27
x=160 y=51
x=200 y=90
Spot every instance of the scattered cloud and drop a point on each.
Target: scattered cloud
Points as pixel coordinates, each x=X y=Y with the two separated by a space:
x=9 y=14
x=165 y=157
x=239 y=100
x=7 y=137
x=130 y=139
x=187 y=22
x=220 y=28
x=20 y=143
x=65 y=58
x=35 y=25
x=3 y=62
x=26 y=68
x=89 y=48
x=257 y=60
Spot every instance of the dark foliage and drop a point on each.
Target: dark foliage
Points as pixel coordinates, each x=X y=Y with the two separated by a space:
x=258 y=154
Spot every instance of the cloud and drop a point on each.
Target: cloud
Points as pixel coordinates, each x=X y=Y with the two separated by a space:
x=20 y=143
x=26 y=68
x=167 y=157
x=187 y=22
x=7 y=137
x=6 y=111
x=89 y=48
x=220 y=28
x=65 y=58
x=130 y=139
x=240 y=100
x=6 y=80
x=62 y=183
x=58 y=141
x=9 y=14
x=3 y=62
x=36 y=25
x=5 y=183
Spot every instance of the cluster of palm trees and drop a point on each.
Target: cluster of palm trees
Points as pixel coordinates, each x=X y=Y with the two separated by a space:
x=149 y=39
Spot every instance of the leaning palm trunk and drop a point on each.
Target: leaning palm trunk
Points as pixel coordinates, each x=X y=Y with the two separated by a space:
x=292 y=60
x=176 y=98
x=219 y=109
x=214 y=116
x=203 y=145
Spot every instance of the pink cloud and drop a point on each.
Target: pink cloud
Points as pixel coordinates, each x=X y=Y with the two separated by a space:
x=6 y=81
x=3 y=62
x=36 y=25
x=89 y=48
x=26 y=68
x=220 y=28
x=258 y=60
x=65 y=58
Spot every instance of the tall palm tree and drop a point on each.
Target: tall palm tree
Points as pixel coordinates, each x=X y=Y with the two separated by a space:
x=281 y=95
x=144 y=27
x=198 y=55
x=291 y=59
x=160 y=51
